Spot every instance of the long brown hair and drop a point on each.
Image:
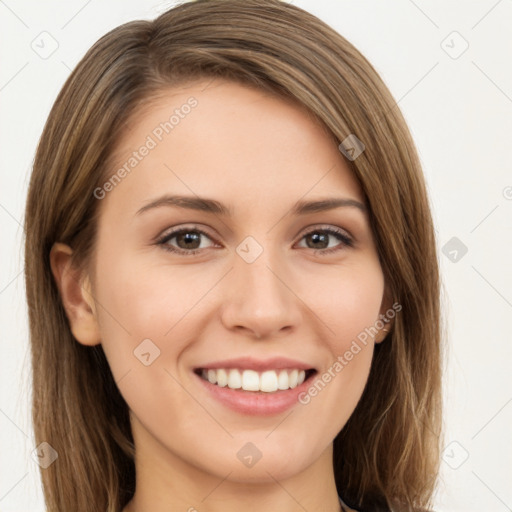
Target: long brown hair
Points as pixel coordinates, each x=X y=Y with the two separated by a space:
x=387 y=455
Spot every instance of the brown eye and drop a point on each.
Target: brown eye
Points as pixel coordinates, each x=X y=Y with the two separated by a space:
x=187 y=241
x=319 y=239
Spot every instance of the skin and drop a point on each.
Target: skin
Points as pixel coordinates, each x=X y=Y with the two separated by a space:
x=257 y=154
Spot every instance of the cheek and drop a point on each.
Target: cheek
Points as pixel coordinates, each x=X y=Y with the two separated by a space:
x=346 y=298
x=136 y=303
x=142 y=300
x=143 y=323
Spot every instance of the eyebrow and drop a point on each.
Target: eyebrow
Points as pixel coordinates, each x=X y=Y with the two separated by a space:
x=204 y=204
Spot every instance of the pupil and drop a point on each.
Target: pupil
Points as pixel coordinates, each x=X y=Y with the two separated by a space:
x=316 y=237
x=190 y=238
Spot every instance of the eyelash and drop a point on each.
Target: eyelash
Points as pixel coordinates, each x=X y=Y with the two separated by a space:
x=346 y=241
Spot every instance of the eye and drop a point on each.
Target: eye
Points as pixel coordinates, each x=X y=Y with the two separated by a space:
x=319 y=239
x=188 y=240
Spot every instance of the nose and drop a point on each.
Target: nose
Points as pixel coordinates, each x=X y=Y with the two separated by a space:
x=259 y=298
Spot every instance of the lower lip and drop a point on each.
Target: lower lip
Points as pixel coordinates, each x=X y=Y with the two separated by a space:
x=256 y=403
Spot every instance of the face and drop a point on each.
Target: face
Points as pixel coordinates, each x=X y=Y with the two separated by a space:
x=250 y=287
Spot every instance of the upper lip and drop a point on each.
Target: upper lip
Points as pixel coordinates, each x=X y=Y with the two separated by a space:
x=251 y=363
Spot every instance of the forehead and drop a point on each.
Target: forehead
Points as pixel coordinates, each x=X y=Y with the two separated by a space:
x=227 y=140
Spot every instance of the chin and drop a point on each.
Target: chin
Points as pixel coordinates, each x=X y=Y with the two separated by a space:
x=255 y=461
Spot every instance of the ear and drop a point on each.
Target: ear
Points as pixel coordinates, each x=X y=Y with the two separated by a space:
x=386 y=322
x=75 y=291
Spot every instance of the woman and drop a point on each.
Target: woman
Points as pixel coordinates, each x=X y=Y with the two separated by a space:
x=231 y=274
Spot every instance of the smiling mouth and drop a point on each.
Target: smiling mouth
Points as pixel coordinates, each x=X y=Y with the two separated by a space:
x=269 y=381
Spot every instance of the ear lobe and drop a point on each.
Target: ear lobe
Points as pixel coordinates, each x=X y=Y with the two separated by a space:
x=75 y=291
x=383 y=318
x=383 y=333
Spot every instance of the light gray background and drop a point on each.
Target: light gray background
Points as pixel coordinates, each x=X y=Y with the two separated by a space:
x=459 y=109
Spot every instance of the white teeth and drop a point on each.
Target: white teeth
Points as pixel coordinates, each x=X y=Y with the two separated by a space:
x=292 y=378
x=268 y=381
x=249 y=380
x=222 y=378
x=235 y=379
x=282 y=380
